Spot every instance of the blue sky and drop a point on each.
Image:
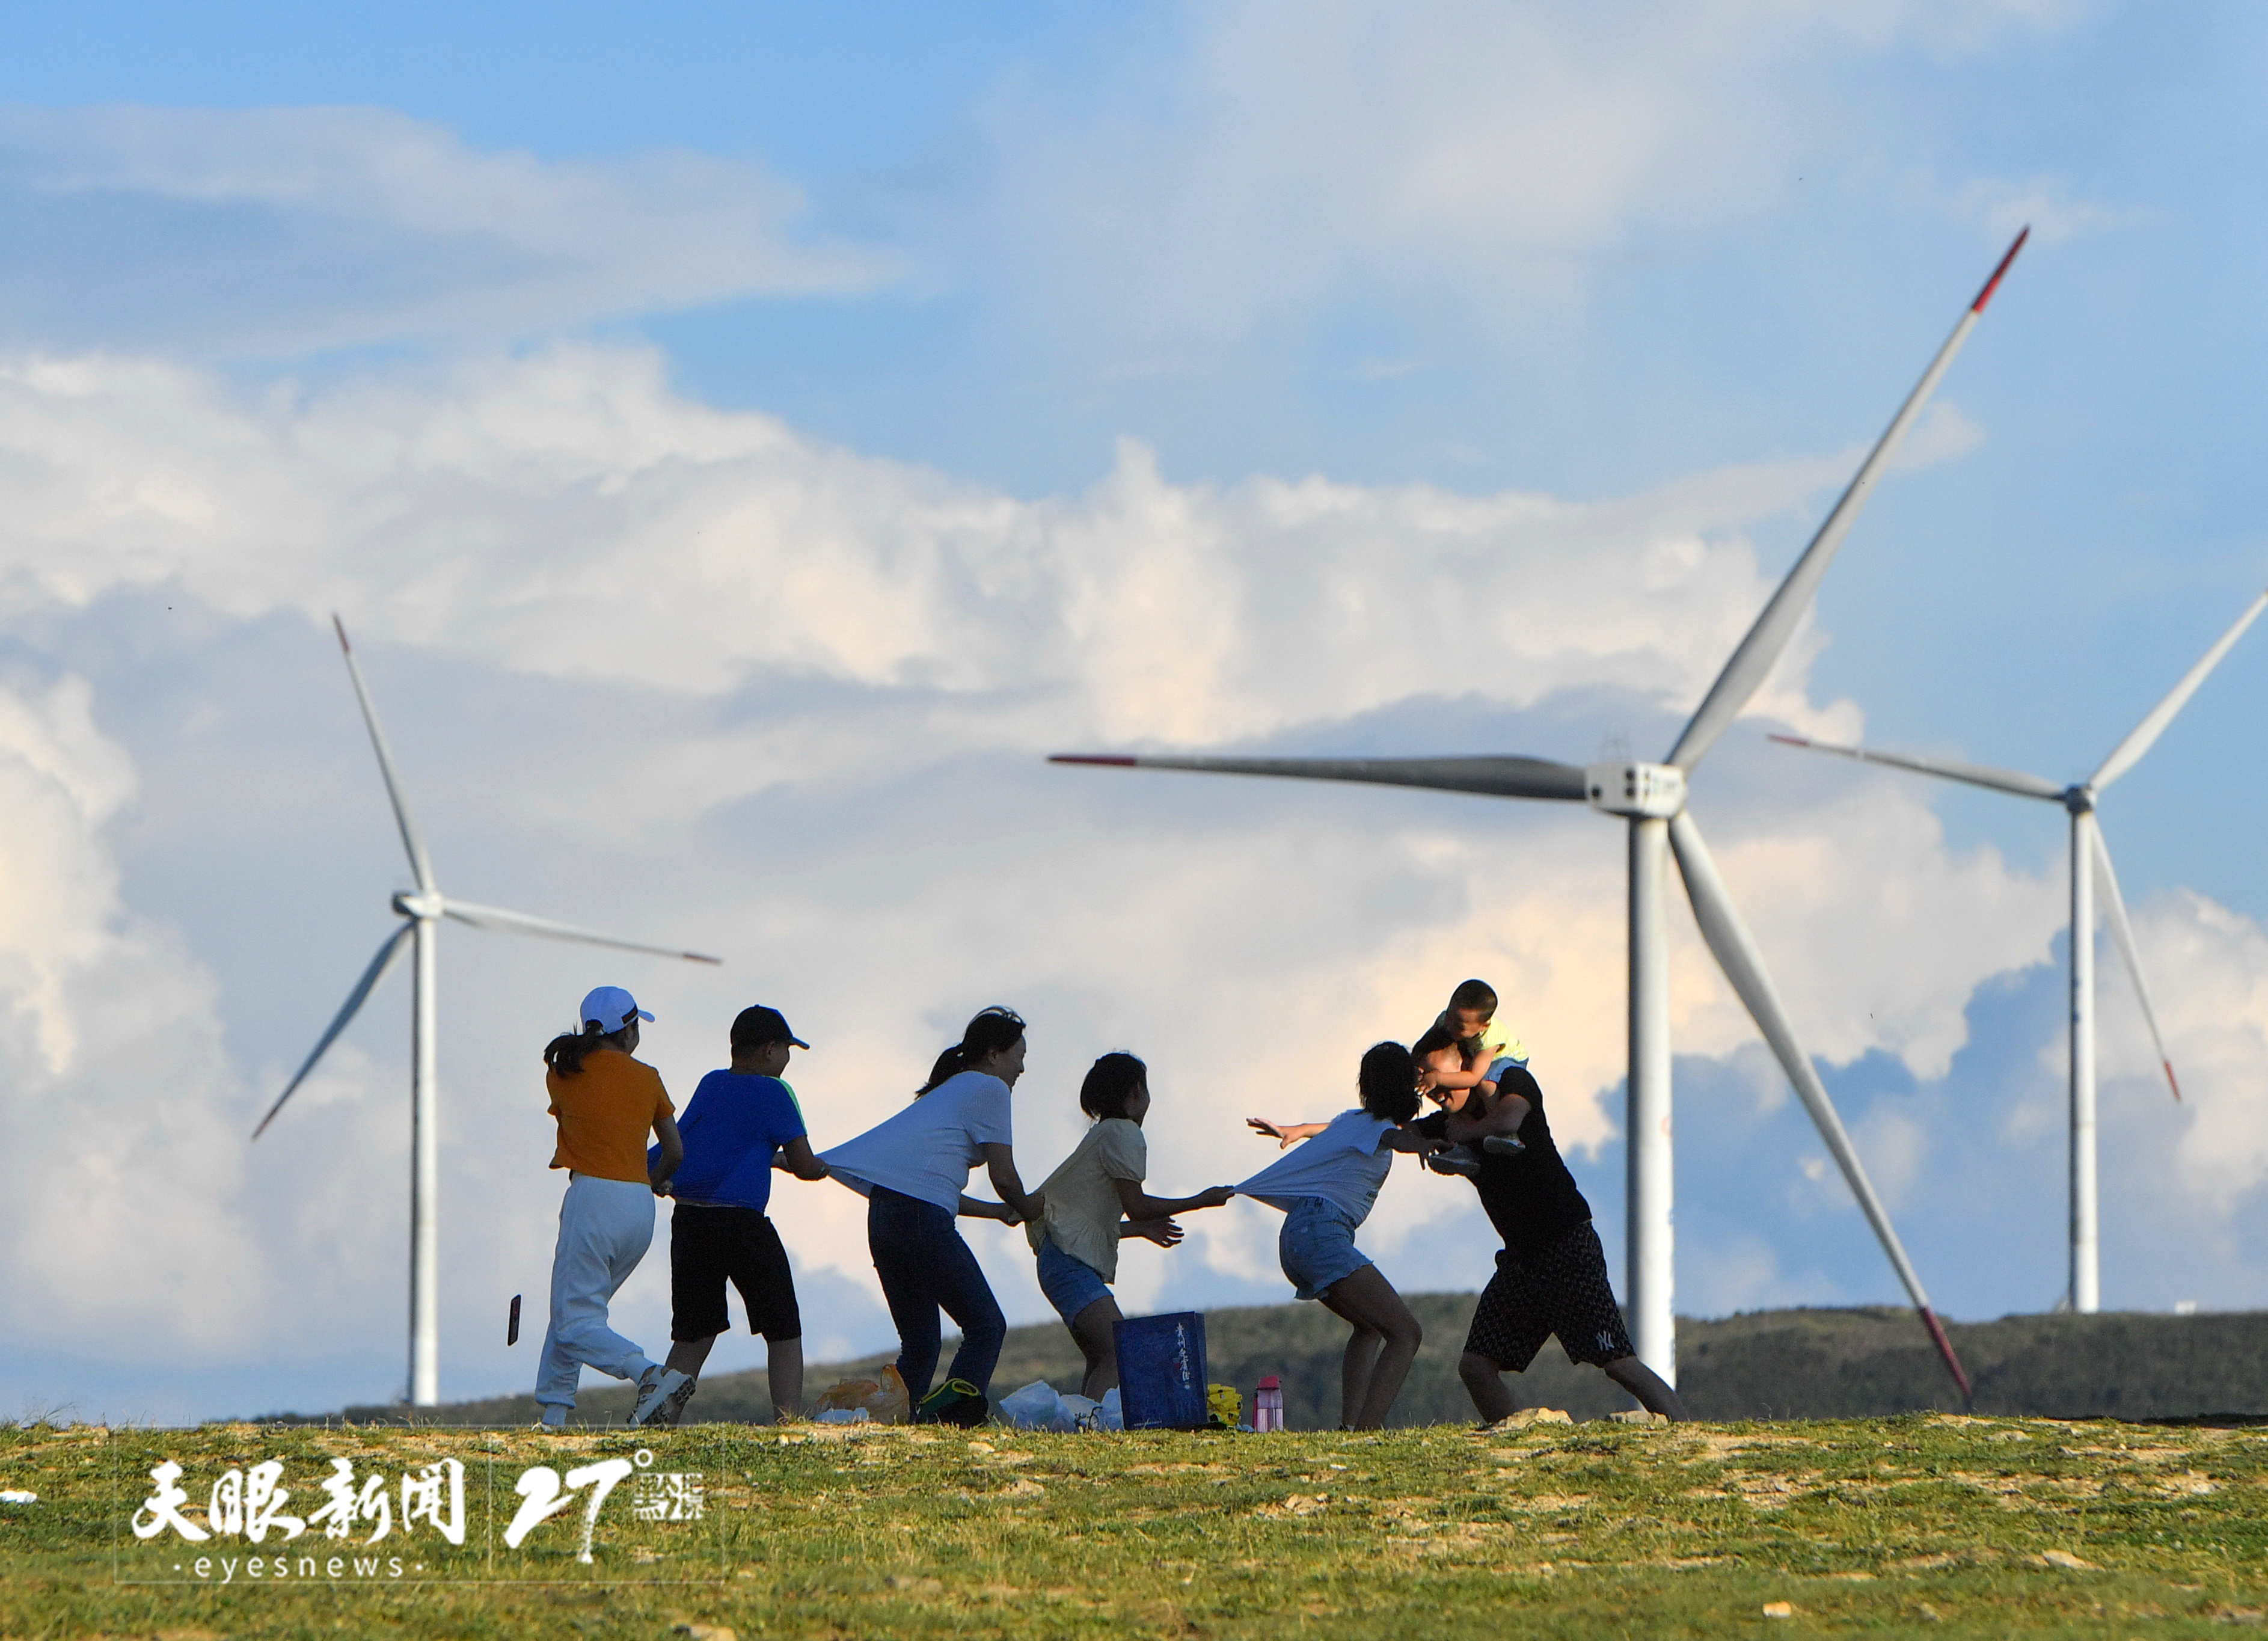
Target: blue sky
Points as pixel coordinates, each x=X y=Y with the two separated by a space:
x=842 y=405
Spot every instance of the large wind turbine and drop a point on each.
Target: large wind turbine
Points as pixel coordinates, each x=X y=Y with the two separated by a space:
x=420 y=911
x=2088 y=850
x=1651 y=798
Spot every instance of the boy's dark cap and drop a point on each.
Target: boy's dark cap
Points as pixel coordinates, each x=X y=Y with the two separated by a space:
x=760 y=1025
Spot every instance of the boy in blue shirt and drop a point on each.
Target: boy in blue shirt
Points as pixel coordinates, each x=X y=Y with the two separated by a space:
x=740 y=1124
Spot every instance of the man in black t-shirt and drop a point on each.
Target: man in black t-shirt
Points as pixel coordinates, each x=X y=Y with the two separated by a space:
x=1551 y=1277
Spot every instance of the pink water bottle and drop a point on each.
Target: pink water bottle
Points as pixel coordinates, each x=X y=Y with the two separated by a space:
x=1268 y=1405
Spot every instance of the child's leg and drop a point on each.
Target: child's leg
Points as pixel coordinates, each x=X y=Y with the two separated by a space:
x=686 y=1355
x=1485 y=1383
x=604 y=1228
x=1362 y=1348
x=697 y=1269
x=1091 y=1330
x=1641 y=1381
x=1368 y=1301
x=784 y=1376
x=767 y=1286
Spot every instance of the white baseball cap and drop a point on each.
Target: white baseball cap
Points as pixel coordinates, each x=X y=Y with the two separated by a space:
x=611 y=1008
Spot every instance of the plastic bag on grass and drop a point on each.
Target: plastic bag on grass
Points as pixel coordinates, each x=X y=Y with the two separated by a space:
x=1037 y=1407
x=1110 y=1416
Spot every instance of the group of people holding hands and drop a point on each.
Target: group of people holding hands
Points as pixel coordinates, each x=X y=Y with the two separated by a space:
x=744 y=1123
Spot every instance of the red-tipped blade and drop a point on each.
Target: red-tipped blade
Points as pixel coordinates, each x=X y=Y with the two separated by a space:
x=1082 y=757
x=1944 y=1345
x=2170 y=1083
x=1994 y=283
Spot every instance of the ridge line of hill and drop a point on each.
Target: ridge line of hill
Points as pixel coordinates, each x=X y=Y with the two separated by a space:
x=1849 y=1363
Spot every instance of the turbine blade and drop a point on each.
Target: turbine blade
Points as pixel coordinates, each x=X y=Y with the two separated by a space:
x=1746 y=671
x=2015 y=781
x=520 y=922
x=1736 y=954
x=356 y=998
x=2123 y=932
x=1489 y=777
x=419 y=867
x=2129 y=751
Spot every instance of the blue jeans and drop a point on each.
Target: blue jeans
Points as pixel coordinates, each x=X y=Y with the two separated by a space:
x=925 y=1267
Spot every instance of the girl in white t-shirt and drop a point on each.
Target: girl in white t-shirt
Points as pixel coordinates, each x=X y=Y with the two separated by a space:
x=1325 y=1190
x=1082 y=1203
x=913 y=1170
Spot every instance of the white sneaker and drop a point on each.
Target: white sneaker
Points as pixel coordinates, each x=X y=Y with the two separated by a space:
x=662 y=1395
x=554 y=1418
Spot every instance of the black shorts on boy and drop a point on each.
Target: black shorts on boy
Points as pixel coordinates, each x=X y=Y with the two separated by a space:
x=710 y=1247
x=1551 y=1275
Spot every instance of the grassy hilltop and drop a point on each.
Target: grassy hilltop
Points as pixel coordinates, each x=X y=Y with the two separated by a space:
x=1822 y=1364
x=1925 y=1523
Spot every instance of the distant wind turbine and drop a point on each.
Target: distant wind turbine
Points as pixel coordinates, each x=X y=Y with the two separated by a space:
x=2084 y=1294
x=1651 y=798
x=420 y=911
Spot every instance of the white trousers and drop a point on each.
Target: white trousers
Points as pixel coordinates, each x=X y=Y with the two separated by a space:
x=604 y=1228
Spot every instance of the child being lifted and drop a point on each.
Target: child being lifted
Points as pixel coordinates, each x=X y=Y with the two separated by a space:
x=1482 y=1050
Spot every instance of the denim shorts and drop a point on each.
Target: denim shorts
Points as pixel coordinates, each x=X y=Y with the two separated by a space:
x=1070 y=1284
x=1316 y=1246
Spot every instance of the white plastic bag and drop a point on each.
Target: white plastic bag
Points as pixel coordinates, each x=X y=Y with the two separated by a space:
x=1082 y=1411
x=1109 y=1415
x=1036 y=1407
x=842 y=1415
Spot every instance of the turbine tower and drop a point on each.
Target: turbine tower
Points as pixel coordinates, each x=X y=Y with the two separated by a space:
x=1651 y=798
x=421 y=910
x=2088 y=850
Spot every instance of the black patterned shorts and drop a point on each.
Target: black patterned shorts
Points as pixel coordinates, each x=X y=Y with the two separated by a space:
x=1563 y=1289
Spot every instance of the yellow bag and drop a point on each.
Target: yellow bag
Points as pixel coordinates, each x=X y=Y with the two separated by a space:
x=1226 y=1406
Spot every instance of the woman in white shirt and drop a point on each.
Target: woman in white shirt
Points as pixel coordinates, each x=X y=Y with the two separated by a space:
x=1325 y=1190
x=912 y=1169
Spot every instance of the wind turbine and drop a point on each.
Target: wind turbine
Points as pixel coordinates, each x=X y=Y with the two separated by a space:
x=1651 y=798
x=2086 y=849
x=420 y=911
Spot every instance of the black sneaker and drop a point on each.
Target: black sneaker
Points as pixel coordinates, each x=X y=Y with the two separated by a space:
x=1459 y=1159
x=1503 y=1145
x=955 y=1401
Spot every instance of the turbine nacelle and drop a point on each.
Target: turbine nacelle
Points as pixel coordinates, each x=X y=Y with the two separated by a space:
x=411 y=903
x=1653 y=791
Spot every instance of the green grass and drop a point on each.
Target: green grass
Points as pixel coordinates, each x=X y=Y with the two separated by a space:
x=1919 y=1524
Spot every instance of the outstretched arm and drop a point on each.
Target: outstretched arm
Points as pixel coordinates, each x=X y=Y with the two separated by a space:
x=796 y=1158
x=1164 y=1232
x=1139 y=1205
x=1287 y=1132
x=1409 y=1139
